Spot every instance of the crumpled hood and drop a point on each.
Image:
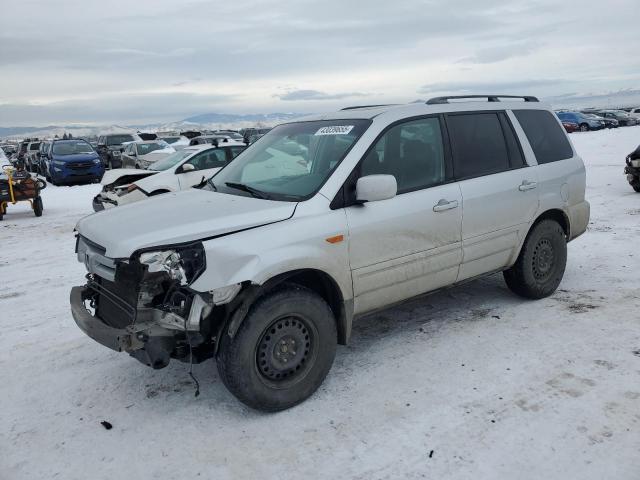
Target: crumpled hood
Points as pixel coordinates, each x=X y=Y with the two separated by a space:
x=111 y=176
x=178 y=217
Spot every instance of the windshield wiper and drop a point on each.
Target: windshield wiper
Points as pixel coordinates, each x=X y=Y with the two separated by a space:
x=246 y=188
x=213 y=185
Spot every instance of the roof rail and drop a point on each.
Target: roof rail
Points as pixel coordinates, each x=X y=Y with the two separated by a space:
x=367 y=106
x=490 y=98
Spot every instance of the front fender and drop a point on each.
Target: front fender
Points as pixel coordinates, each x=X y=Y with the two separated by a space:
x=259 y=254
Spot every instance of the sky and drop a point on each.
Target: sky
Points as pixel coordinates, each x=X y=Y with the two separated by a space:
x=128 y=62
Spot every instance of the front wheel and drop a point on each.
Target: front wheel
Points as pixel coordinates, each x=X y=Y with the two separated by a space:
x=38 y=207
x=636 y=187
x=541 y=263
x=282 y=351
x=584 y=127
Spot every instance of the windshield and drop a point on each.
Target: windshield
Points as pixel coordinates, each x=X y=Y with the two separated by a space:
x=144 y=148
x=118 y=139
x=292 y=161
x=71 y=148
x=171 y=161
x=170 y=139
x=34 y=146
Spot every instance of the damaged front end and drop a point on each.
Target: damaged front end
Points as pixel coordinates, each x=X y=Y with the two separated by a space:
x=144 y=306
x=118 y=190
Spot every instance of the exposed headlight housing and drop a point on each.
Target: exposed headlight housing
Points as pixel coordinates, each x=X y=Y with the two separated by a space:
x=116 y=153
x=183 y=264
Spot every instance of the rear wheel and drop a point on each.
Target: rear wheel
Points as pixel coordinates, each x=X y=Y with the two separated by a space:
x=282 y=351
x=541 y=263
x=636 y=187
x=38 y=207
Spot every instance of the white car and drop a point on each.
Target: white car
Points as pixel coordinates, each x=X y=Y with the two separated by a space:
x=266 y=267
x=180 y=170
x=145 y=153
x=635 y=113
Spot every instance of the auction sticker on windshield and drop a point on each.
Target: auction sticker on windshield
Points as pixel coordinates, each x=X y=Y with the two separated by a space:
x=337 y=130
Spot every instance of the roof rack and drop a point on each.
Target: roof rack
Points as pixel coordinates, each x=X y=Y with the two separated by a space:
x=490 y=98
x=367 y=106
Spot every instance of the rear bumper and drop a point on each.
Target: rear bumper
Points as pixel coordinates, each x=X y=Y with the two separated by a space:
x=579 y=218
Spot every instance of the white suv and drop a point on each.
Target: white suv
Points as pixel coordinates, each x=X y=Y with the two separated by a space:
x=324 y=220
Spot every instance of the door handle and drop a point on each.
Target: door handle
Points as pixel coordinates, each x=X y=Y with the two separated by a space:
x=444 y=204
x=527 y=185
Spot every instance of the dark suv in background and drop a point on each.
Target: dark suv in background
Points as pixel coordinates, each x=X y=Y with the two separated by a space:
x=110 y=148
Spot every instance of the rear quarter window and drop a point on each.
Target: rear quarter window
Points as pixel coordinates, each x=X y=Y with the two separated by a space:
x=478 y=144
x=546 y=136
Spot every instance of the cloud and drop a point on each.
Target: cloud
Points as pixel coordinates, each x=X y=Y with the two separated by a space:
x=500 y=53
x=490 y=87
x=295 y=95
x=132 y=108
x=341 y=50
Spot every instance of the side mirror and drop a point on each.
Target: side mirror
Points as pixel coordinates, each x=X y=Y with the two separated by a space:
x=187 y=167
x=373 y=188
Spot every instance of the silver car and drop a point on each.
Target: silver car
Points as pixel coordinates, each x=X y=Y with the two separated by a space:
x=140 y=155
x=265 y=266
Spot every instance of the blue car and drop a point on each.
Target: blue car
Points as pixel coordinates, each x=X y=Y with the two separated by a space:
x=584 y=123
x=72 y=161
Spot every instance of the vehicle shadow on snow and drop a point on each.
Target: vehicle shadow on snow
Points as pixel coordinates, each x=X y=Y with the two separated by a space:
x=431 y=315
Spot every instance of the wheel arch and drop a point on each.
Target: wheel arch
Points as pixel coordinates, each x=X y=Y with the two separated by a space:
x=315 y=280
x=557 y=215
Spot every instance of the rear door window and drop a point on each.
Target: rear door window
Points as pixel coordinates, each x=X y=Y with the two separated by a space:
x=546 y=136
x=478 y=145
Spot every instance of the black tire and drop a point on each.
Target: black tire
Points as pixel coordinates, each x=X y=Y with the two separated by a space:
x=541 y=263
x=38 y=207
x=584 y=127
x=636 y=187
x=252 y=363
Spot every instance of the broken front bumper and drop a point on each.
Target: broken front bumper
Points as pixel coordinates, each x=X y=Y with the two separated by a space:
x=115 y=338
x=153 y=347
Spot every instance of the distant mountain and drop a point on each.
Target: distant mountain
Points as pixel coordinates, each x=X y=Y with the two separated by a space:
x=232 y=118
x=208 y=121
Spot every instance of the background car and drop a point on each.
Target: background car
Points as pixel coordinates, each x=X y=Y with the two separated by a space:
x=570 y=127
x=9 y=149
x=608 y=122
x=232 y=134
x=110 y=148
x=45 y=146
x=623 y=118
x=584 y=123
x=31 y=157
x=635 y=113
x=252 y=134
x=179 y=171
x=176 y=141
x=208 y=139
x=73 y=161
x=142 y=154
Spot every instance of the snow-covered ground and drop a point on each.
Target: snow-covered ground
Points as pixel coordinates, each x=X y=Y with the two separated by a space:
x=470 y=383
